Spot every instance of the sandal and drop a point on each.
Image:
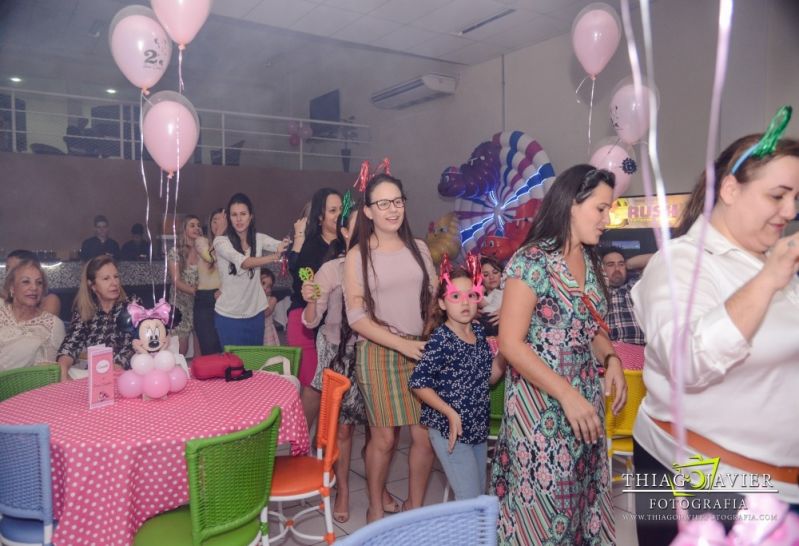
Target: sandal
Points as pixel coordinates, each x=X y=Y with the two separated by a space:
x=393 y=508
x=341 y=517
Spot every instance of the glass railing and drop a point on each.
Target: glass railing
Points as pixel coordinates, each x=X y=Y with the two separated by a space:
x=59 y=124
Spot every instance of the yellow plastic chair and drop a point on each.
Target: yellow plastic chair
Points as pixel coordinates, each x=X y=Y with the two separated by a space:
x=619 y=428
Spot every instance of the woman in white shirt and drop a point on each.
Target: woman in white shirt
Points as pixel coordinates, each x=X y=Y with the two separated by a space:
x=239 y=311
x=740 y=367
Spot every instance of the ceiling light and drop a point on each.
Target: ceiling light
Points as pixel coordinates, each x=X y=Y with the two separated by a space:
x=15 y=79
x=484 y=22
x=111 y=91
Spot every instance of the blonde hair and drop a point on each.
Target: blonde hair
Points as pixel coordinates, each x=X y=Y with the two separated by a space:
x=86 y=303
x=11 y=276
x=184 y=246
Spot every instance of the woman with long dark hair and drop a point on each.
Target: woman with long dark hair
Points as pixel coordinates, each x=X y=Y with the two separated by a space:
x=239 y=311
x=550 y=470
x=388 y=284
x=741 y=350
x=312 y=240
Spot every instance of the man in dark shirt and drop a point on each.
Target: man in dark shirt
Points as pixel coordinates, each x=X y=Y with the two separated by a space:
x=621 y=319
x=138 y=248
x=99 y=244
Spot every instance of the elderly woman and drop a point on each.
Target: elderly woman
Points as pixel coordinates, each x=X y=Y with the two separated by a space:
x=740 y=367
x=97 y=307
x=28 y=334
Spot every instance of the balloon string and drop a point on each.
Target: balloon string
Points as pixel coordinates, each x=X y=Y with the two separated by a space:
x=577 y=91
x=166 y=213
x=180 y=69
x=591 y=113
x=144 y=181
x=175 y=206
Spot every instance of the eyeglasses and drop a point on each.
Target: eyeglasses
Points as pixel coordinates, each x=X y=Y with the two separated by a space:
x=383 y=204
x=475 y=295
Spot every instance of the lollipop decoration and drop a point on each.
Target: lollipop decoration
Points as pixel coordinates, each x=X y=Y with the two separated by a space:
x=153 y=371
x=497 y=190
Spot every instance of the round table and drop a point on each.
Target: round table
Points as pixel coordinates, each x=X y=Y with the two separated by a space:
x=117 y=466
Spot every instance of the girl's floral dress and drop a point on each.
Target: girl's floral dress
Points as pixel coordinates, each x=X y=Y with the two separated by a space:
x=553 y=488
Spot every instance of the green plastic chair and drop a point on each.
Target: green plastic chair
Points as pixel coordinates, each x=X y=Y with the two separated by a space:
x=255 y=356
x=19 y=380
x=230 y=480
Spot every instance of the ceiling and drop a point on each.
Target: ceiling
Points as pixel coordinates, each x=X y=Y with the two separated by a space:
x=62 y=45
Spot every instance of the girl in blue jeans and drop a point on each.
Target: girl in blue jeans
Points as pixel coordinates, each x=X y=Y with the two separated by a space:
x=452 y=380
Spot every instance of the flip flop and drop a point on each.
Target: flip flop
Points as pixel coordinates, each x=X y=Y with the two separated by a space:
x=341 y=517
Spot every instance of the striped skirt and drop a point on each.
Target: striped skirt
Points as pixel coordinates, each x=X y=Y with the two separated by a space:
x=383 y=376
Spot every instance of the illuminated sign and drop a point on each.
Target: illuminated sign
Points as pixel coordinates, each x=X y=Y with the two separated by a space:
x=641 y=213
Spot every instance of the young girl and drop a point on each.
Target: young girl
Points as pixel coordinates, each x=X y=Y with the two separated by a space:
x=489 y=307
x=239 y=311
x=270 y=332
x=452 y=380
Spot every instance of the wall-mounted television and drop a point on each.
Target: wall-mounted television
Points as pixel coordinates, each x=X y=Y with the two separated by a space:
x=326 y=107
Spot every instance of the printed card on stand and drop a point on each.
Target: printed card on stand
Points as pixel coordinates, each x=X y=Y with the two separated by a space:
x=101 y=376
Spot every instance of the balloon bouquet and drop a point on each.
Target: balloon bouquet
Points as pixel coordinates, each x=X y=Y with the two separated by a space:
x=154 y=372
x=498 y=192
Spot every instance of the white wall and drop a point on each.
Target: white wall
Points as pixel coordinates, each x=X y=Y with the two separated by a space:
x=540 y=98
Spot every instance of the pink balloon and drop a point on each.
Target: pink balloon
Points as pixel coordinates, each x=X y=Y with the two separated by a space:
x=142 y=363
x=182 y=19
x=595 y=36
x=618 y=159
x=170 y=126
x=156 y=384
x=629 y=115
x=177 y=379
x=294 y=140
x=140 y=47
x=306 y=132
x=294 y=128
x=164 y=361
x=130 y=384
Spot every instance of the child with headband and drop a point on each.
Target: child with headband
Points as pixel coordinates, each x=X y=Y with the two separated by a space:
x=452 y=380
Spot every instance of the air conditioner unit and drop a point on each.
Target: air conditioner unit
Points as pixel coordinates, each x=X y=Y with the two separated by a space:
x=416 y=91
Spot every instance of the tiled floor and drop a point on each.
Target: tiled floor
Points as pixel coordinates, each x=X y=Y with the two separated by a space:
x=398 y=487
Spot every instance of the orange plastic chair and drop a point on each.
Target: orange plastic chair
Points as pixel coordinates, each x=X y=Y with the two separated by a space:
x=298 y=478
x=619 y=428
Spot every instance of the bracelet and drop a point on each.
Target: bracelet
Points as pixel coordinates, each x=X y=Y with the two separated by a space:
x=608 y=357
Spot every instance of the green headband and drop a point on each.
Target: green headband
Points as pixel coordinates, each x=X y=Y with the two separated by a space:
x=768 y=143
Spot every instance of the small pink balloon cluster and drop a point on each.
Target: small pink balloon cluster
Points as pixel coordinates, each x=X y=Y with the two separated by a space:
x=152 y=376
x=766 y=521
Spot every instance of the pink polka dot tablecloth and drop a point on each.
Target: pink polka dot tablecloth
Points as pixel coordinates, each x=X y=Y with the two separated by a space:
x=117 y=466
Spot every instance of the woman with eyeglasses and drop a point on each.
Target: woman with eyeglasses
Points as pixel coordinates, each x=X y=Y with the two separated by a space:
x=239 y=311
x=388 y=285
x=550 y=469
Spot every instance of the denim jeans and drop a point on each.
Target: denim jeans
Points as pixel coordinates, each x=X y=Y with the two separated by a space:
x=246 y=331
x=465 y=467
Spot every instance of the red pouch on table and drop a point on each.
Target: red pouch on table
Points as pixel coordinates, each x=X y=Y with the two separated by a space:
x=219 y=365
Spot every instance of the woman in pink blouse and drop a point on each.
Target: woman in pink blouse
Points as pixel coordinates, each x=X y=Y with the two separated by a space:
x=388 y=283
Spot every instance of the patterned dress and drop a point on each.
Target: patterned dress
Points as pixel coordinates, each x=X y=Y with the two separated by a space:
x=185 y=302
x=553 y=488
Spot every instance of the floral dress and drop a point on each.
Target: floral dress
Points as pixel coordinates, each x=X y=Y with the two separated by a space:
x=553 y=488
x=185 y=302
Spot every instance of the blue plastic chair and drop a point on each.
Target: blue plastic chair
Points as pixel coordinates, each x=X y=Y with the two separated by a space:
x=472 y=522
x=26 y=487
